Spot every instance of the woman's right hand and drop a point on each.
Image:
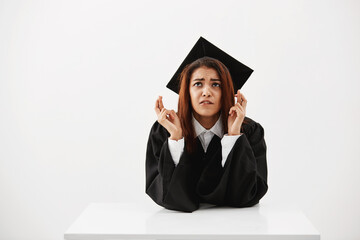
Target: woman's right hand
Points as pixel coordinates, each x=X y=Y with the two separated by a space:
x=169 y=120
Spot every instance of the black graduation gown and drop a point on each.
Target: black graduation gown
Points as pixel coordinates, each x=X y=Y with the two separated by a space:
x=200 y=178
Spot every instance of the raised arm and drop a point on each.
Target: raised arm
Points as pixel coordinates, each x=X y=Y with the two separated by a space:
x=169 y=186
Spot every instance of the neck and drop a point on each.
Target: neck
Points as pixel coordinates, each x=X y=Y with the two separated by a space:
x=207 y=122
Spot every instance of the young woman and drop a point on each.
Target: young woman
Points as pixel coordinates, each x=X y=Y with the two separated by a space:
x=208 y=152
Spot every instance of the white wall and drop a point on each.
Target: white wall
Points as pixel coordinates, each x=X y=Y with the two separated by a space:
x=78 y=81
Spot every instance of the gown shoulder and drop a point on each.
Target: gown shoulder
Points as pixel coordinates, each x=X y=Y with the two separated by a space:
x=252 y=129
x=158 y=132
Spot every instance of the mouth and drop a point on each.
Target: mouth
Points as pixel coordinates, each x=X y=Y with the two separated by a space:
x=206 y=102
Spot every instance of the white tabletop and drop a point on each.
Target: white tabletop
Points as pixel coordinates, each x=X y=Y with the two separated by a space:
x=137 y=221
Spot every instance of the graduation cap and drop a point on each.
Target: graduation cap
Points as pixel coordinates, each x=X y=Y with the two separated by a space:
x=238 y=71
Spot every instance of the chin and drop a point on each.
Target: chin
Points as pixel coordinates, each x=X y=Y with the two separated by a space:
x=207 y=113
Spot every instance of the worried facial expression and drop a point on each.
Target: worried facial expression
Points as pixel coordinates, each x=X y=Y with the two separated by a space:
x=205 y=92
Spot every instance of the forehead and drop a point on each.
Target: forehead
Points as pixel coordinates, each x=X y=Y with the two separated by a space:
x=204 y=72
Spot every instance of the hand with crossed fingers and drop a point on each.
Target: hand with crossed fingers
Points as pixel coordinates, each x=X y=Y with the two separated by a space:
x=168 y=119
x=237 y=114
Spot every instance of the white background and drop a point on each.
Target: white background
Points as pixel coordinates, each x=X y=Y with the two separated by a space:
x=78 y=81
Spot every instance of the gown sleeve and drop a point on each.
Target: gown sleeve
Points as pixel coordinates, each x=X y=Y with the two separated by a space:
x=169 y=186
x=242 y=182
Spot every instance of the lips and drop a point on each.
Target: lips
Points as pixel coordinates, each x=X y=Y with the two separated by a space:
x=206 y=102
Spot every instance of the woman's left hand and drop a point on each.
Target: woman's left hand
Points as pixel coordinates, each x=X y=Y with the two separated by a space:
x=237 y=114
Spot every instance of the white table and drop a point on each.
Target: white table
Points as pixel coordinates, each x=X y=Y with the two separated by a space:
x=141 y=221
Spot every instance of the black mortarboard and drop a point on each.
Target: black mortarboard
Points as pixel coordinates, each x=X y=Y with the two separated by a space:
x=239 y=72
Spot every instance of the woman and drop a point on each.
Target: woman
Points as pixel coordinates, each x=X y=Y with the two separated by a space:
x=190 y=160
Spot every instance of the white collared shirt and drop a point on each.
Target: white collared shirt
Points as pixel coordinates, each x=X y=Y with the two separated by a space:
x=205 y=135
x=227 y=142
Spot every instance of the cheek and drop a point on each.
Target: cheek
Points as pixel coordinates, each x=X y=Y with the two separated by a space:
x=218 y=97
x=219 y=101
x=193 y=94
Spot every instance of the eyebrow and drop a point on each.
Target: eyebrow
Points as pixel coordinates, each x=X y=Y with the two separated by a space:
x=202 y=79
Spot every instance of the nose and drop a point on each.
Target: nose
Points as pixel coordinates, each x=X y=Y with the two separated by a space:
x=206 y=92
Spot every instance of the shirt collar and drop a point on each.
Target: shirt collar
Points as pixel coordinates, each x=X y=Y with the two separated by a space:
x=216 y=129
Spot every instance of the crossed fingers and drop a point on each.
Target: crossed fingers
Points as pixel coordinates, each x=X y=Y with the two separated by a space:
x=159 y=106
x=240 y=105
x=241 y=99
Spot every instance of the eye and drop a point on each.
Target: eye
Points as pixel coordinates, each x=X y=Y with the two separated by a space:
x=216 y=84
x=197 y=84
